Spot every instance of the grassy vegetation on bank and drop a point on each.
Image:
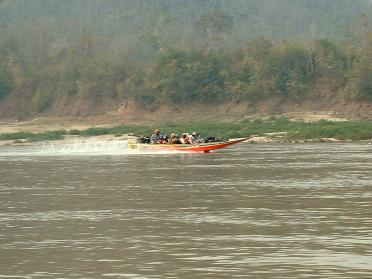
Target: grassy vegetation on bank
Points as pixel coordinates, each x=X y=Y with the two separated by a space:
x=33 y=137
x=245 y=128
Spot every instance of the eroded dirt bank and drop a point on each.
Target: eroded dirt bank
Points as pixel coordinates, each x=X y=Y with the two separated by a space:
x=133 y=114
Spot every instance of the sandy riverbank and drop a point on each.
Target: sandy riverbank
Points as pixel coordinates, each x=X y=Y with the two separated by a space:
x=42 y=124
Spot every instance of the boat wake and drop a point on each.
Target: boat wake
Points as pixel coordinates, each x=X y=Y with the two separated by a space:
x=88 y=147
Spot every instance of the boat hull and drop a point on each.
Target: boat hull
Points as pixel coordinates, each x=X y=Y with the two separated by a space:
x=202 y=147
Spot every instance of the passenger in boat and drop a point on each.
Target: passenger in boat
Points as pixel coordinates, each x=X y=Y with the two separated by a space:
x=155 y=137
x=189 y=137
x=174 y=139
x=184 y=139
x=163 y=139
x=196 y=138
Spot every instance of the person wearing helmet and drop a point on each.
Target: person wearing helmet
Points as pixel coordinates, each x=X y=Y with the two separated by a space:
x=155 y=137
x=163 y=139
x=196 y=138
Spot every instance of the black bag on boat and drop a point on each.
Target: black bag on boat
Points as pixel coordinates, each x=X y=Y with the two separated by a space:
x=210 y=139
x=143 y=140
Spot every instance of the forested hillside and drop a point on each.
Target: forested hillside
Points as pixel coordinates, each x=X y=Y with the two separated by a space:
x=86 y=56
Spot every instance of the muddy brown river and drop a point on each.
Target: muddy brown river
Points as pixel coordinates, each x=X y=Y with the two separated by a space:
x=262 y=211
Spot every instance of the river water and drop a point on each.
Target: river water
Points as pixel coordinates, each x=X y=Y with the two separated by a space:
x=250 y=211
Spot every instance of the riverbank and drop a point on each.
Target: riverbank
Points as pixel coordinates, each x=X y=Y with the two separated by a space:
x=122 y=118
x=260 y=130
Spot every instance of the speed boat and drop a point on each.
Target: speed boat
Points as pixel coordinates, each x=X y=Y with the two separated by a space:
x=196 y=147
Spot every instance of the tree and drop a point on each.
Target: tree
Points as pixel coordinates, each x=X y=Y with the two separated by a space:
x=331 y=63
x=359 y=79
x=295 y=72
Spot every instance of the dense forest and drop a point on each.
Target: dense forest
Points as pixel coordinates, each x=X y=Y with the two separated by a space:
x=93 y=54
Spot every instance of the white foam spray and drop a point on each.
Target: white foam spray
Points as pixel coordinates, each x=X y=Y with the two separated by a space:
x=86 y=147
x=78 y=147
